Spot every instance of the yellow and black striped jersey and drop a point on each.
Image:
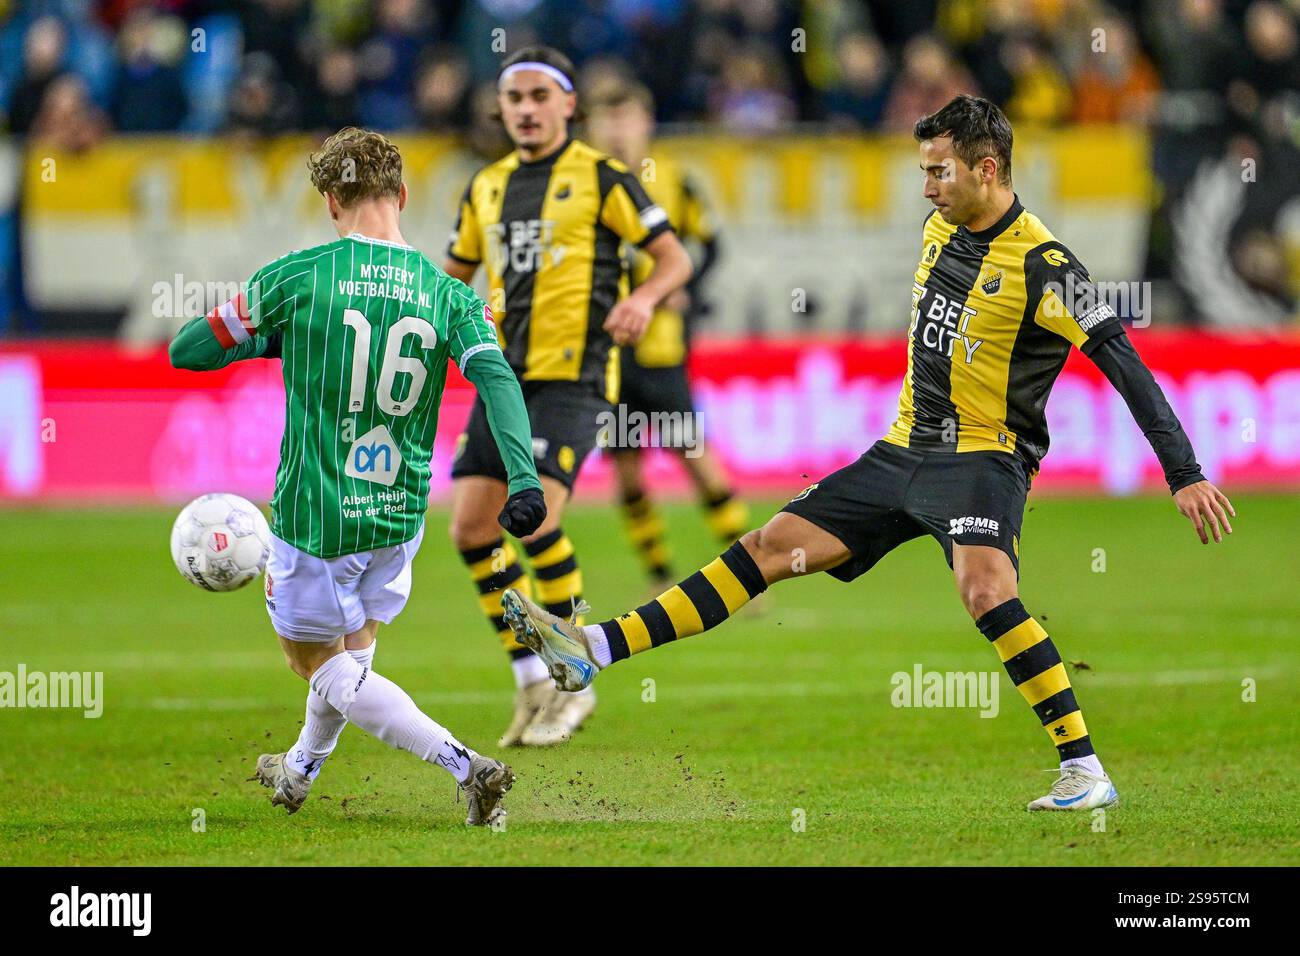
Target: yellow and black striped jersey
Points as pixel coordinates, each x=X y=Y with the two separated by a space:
x=994 y=314
x=664 y=343
x=549 y=234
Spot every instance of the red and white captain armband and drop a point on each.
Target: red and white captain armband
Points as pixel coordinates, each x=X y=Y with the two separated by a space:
x=231 y=323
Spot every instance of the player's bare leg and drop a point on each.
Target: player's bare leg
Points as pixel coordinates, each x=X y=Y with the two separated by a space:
x=787 y=546
x=643 y=522
x=384 y=710
x=986 y=583
x=727 y=515
x=704 y=469
x=494 y=565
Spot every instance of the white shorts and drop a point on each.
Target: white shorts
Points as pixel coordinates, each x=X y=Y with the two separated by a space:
x=321 y=599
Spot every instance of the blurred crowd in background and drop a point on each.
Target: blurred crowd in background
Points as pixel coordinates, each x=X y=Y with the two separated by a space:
x=751 y=66
x=1211 y=79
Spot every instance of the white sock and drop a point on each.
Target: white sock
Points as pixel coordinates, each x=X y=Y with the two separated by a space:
x=599 y=644
x=384 y=710
x=322 y=726
x=366 y=655
x=1089 y=763
x=529 y=670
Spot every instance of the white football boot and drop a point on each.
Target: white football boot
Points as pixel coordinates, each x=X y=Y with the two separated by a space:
x=560 y=644
x=556 y=723
x=529 y=702
x=484 y=789
x=1076 y=789
x=289 y=788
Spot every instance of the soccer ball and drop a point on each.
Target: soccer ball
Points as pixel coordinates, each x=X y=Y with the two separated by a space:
x=220 y=542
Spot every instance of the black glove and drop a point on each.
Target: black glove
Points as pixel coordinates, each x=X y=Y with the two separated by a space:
x=524 y=512
x=274 y=346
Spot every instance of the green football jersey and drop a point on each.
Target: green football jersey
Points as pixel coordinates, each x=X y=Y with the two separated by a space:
x=367 y=330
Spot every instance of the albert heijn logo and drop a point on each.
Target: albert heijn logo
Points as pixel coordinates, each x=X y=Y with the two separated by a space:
x=374 y=457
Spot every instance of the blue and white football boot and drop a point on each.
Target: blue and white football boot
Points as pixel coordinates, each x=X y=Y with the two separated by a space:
x=559 y=643
x=1076 y=789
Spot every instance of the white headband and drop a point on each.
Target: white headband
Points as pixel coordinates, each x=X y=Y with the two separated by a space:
x=565 y=83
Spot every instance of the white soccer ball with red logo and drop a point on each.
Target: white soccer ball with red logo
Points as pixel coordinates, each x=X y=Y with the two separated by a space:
x=220 y=542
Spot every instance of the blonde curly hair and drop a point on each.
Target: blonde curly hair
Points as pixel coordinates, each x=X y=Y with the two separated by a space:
x=354 y=165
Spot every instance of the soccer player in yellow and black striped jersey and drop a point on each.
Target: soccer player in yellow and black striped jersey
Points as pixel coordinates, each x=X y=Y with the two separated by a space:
x=997 y=304
x=547 y=223
x=654 y=388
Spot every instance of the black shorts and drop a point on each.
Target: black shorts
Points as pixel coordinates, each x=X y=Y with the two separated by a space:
x=892 y=494
x=650 y=390
x=565 y=419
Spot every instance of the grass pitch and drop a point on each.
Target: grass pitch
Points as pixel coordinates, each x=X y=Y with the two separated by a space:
x=765 y=723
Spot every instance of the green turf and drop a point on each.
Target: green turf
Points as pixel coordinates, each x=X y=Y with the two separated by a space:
x=751 y=724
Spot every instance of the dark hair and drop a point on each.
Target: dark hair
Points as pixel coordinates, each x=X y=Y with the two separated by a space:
x=624 y=94
x=542 y=54
x=551 y=57
x=978 y=129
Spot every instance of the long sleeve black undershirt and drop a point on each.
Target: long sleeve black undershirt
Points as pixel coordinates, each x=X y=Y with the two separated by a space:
x=1122 y=365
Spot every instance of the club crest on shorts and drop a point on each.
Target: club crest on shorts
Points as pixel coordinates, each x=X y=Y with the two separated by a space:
x=565 y=458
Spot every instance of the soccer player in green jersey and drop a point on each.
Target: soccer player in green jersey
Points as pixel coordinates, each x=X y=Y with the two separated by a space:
x=364 y=327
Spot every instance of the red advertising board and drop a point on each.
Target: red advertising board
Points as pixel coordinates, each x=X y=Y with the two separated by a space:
x=91 y=421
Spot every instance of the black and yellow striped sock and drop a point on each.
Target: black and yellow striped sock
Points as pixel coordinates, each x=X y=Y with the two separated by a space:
x=493 y=568
x=555 y=566
x=1035 y=667
x=726 y=514
x=645 y=529
x=704 y=600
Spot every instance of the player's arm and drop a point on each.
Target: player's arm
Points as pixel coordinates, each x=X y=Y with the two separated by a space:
x=464 y=271
x=464 y=248
x=475 y=349
x=629 y=212
x=222 y=336
x=697 y=224
x=1200 y=501
x=1071 y=307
